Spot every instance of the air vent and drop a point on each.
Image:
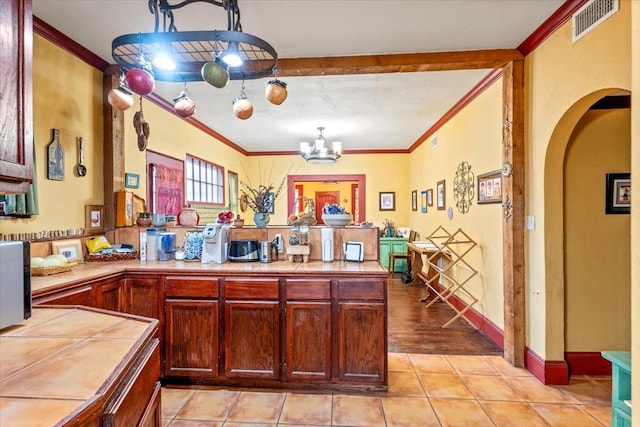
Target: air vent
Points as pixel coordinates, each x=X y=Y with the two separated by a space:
x=590 y=15
x=434 y=142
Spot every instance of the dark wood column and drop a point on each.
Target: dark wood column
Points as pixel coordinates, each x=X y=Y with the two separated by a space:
x=513 y=212
x=113 y=149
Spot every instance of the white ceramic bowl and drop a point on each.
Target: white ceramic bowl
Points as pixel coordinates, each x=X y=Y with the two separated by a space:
x=336 y=220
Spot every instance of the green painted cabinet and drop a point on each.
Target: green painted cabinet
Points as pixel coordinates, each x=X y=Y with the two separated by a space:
x=621 y=390
x=389 y=245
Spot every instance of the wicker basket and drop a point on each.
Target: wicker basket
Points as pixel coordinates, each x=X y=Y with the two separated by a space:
x=45 y=271
x=116 y=256
x=307 y=216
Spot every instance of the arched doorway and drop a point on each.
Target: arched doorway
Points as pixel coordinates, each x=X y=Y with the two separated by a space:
x=585 y=310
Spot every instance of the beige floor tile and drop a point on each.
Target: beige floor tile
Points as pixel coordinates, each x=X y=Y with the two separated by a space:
x=600 y=413
x=257 y=407
x=513 y=414
x=582 y=390
x=486 y=387
x=431 y=363
x=192 y=423
x=565 y=415
x=173 y=399
x=505 y=368
x=357 y=411
x=460 y=413
x=471 y=365
x=605 y=383
x=443 y=385
x=232 y=424
x=404 y=384
x=408 y=412
x=307 y=409
x=165 y=422
x=209 y=405
x=399 y=362
x=532 y=390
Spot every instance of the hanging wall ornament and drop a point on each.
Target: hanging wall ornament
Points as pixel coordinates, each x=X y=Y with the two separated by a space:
x=463 y=187
x=183 y=105
x=142 y=128
x=276 y=91
x=242 y=107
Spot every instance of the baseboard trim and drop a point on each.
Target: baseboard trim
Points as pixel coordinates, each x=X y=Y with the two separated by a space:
x=587 y=363
x=550 y=372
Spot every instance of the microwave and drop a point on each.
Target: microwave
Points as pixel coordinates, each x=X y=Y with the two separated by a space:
x=15 y=282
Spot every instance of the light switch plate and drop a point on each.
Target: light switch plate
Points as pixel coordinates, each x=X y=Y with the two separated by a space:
x=531 y=222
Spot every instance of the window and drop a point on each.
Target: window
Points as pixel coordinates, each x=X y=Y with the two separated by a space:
x=205 y=181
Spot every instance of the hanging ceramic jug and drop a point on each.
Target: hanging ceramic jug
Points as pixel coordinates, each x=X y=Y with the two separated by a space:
x=188 y=217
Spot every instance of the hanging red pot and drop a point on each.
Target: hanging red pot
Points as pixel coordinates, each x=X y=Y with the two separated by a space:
x=140 y=81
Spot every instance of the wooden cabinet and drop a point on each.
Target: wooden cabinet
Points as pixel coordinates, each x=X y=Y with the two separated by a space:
x=16 y=110
x=389 y=245
x=308 y=329
x=251 y=328
x=191 y=326
x=109 y=294
x=142 y=296
x=80 y=295
x=362 y=331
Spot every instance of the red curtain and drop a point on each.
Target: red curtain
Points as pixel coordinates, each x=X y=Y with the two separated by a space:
x=169 y=190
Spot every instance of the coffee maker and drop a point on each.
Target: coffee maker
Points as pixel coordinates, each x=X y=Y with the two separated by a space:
x=215 y=238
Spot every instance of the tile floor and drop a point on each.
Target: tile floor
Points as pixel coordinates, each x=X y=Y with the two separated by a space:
x=424 y=390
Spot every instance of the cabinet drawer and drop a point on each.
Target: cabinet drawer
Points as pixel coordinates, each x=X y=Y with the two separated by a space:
x=129 y=407
x=191 y=287
x=308 y=289
x=251 y=288
x=361 y=289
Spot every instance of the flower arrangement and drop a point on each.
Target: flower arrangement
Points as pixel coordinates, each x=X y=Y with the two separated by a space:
x=262 y=198
x=334 y=209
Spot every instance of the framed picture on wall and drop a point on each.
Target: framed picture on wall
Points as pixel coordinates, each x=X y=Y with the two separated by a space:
x=490 y=187
x=618 y=195
x=430 y=197
x=131 y=180
x=387 y=201
x=423 y=200
x=414 y=200
x=441 y=195
x=94 y=218
x=70 y=249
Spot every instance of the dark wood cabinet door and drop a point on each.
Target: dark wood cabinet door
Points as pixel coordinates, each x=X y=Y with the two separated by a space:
x=16 y=132
x=251 y=339
x=191 y=340
x=143 y=297
x=308 y=340
x=361 y=342
x=76 y=296
x=109 y=295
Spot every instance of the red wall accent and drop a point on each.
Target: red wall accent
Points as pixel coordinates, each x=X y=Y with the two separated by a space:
x=587 y=363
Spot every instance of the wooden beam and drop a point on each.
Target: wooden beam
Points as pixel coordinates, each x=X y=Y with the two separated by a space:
x=397 y=63
x=513 y=213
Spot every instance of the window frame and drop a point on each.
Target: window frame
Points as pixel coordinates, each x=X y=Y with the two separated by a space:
x=217 y=190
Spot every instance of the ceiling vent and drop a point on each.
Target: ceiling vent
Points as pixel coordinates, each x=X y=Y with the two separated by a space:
x=590 y=15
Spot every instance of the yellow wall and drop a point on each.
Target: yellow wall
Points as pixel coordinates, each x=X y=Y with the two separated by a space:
x=66 y=96
x=562 y=80
x=635 y=213
x=597 y=263
x=474 y=136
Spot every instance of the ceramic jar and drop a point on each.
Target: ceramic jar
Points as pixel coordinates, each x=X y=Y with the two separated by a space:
x=144 y=219
x=188 y=217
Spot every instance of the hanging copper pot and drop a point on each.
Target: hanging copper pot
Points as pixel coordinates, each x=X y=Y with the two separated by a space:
x=276 y=91
x=242 y=108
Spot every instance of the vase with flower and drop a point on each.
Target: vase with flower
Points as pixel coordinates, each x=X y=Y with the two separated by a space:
x=261 y=200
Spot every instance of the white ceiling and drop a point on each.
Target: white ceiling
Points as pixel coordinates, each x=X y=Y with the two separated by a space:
x=366 y=111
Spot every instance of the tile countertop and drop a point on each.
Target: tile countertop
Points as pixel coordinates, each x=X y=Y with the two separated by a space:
x=40 y=383
x=94 y=270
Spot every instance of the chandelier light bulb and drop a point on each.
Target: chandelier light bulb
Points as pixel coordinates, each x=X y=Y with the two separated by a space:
x=164 y=61
x=231 y=57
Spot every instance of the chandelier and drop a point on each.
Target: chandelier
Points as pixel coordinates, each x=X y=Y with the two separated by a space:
x=320 y=151
x=179 y=56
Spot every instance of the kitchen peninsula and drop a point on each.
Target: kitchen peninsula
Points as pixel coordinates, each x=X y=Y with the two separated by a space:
x=313 y=325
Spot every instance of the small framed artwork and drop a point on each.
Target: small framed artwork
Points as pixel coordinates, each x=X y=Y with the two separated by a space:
x=131 y=180
x=94 y=218
x=270 y=203
x=70 y=249
x=423 y=201
x=414 y=200
x=441 y=194
x=388 y=201
x=490 y=187
x=618 y=193
x=430 y=197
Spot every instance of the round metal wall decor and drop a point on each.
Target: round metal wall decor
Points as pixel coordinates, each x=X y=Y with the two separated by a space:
x=463 y=187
